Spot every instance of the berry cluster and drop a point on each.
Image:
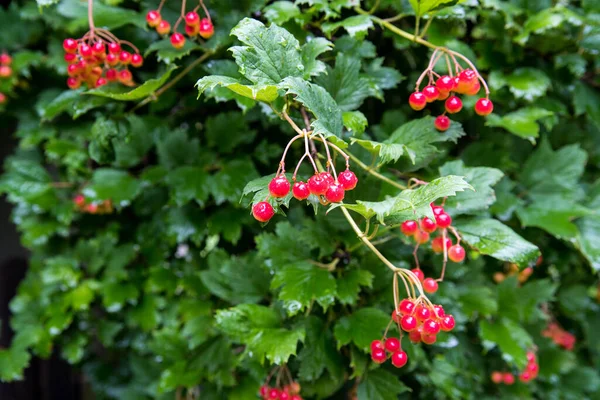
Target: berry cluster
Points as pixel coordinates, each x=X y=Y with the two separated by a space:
x=513 y=269
x=194 y=25
x=5 y=72
x=505 y=378
x=104 y=207
x=527 y=375
x=421 y=320
x=323 y=185
x=559 y=336
x=464 y=81
x=98 y=58
x=381 y=349
x=287 y=392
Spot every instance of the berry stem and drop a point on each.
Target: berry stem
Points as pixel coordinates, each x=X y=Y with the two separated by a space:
x=292 y=123
x=91 y=17
x=330 y=162
x=416 y=255
x=472 y=66
x=205 y=10
x=444 y=236
x=287 y=147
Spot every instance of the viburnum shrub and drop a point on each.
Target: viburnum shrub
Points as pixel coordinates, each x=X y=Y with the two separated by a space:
x=306 y=199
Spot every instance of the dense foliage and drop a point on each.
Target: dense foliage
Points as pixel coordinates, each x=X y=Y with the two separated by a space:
x=149 y=272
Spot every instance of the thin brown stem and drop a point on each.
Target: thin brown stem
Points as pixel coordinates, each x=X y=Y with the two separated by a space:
x=205 y=10
x=90 y=13
x=292 y=123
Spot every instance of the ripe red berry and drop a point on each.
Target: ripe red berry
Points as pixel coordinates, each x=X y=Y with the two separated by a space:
x=192 y=18
x=79 y=200
x=428 y=225
x=408 y=323
x=101 y=82
x=533 y=368
x=392 y=344
x=2 y=98
x=421 y=237
x=466 y=80
x=419 y=273
x=347 y=179
x=399 y=359
x=422 y=313
x=125 y=57
x=484 y=107
x=192 y=30
x=431 y=327
x=443 y=220
x=530 y=356
x=335 y=193
x=177 y=40
x=406 y=307
x=417 y=101
x=438 y=311
x=430 y=285
x=283 y=395
x=70 y=45
x=263 y=211
x=73 y=83
x=409 y=228
x=98 y=49
x=300 y=190
x=437 y=244
x=508 y=378
x=114 y=48
x=431 y=93
x=163 y=28
x=5 y=59
x=70 y=58
x=445 y=84
x=525 y=376
x=453 y=104
x=441 y=123
x=111 y=75
x=112 y=59
x=328 y=177
x=85 y=50
x=153 y=18
x=264 y=390
x=137 y=60
x=474 y=89
x=125 y=76
x=437 y=210
x=72 y=69
x=376 y=345
x=206 y=28
x=279 y=186
x=274 y=394
x=318 y=184
x=428 y=339
x=447 y=323
x=496 y=377
x=414 y=336
x=378 y=356
x=456 y=253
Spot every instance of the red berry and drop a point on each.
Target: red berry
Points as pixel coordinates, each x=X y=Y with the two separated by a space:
x=296 y=397
x=437 y=210
x=456 y=253
x=125 y=76
x=431 y=327
x=376 y=345
x=79 y=200
x=438 y=311
x=163 y=28
x=443 y=220
x=335 y=193
x=328 y=177
x=533 y=368
x=300 y=190
x=525 y=376
x=474 y=89
x=447 y=323
x=466 y=80
x=420 y=275
x=192 y=30
x=264 y=389
x=441 y=123
x=70 y=58
x=114 y=48
x=431 y=93
x=417 y=101
x=153 y=18
x=428 y=339
x=274 y=394
x=508 y=378
x=378 y=356
x=85 y=50
x=98 y=49
x=206 y=28
x=5 y=59
x=496 y=377
x=91 y=208
x=414 y=336
x=408 y=323
x=392 y=344
x=484 y=107
x=2 y=98
x=421 y=237
x=101 y=82
x=422 y=313
x=73 y=83
x=399 y=359
x=70 y=45
x=409 y=228
x=406 y=307
x=437 y=244
x=430 y=285
x=530 y=356
x=347 y=179
x=125 y=57
x=445 y=84
x=72 y=69
x=263 y=211
x=453 y=104
x=137 y=60
x=283 y=395
x=318 y=184
x=192 y=18
x=279 y=186
x=112 y=59
x=177 y=40
x=428 y=225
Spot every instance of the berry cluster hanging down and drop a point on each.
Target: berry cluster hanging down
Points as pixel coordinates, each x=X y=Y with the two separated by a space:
x=83 y=206
x=445 y=87
x=527 y=375
x=194 y=25
x=285 y=387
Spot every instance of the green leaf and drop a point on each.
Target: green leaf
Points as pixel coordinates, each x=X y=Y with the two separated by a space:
x=169 y=54
x=310 y=51
x=239 y=322
x=356 y=26
x=28 y=181
x=276 y=345
x=510 y=337
x=316 y=99
x=587 y=101
x=380 y=385
x=546 y=20
x=524 y=83
x=478 y=299
x=554 y=214
x=480 y=178
x=280 y=12
x=105 y=16
x=345 y=84
x=142 y=91
x=46 y=3
x=361 y=328
x=355 y=122
x=423 y=7
x=522 y=122
x=188 y=183
x=410 y=203
x=588 y=240
x=301 y=284
x=348 y=286
x=319 y=352
x=493 y=238
x=112 y=184
x=266 y=93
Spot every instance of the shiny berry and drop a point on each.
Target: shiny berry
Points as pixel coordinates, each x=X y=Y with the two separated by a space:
x=525 y=376
x=347 y=179
x=111 y=75
x=533 y=368
x=72 y=69
x=419 y=274
x=428 y=225
x=422 y=313
x=431 y=93
x=456 y=253
x=335 y=193
x=328 y=177
x=466 y=80
x=392 y=344
x=318 y=184
x=447 y=323
x=125 y=76
x=112 y=59
x=206 y=28
x=263 y=211
x=376 y=345
x=300 y=190
x=125 y=57
x=399 y=359
x=445 y=84
x=70 y=45
x=5 y=59
x=474 y=89
x=417 y=101
x=264 y=390
x=283 y=395
x=177 y=40
x=441 y=123
x=137 y=60
x=378 y=356
x=192 y=18
x=73 y=83
x=437 y=210
x=408 y=323
x=428 y=339
x=438 y=311
x=508 y=378
x=484 y=107
x=496 y=377
x=409 y=228
x=530 y=356
x=437 y=244
x=163 y=28
x=296 y=397
x=153 y=18
x=279 y=186
x=191 y=30
x=406 y=306
x=453 y=104
x=443 y=220
x=114 y=48
x=99 y=49
x=70 y=58
x=414 y=336
x=430 y=285
x=431 y=327
x=421 y=237
x=85 y=50
x=101 y=82
x=274 y=394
